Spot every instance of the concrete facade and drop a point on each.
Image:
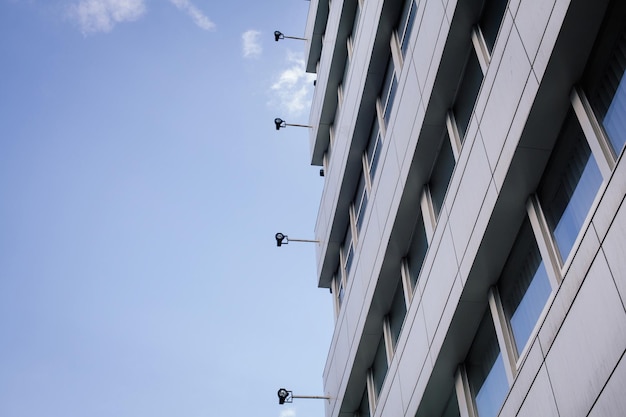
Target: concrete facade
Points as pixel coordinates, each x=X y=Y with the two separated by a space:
x=420 y=272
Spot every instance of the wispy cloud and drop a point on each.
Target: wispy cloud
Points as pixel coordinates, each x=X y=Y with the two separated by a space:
x=102 y=15
x=251 y=45
x=291 y=90
x=289 y=412
x=199 y=18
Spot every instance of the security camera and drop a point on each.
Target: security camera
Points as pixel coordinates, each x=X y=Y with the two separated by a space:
x=283 y=396
x=279 y=239
x=279 y=123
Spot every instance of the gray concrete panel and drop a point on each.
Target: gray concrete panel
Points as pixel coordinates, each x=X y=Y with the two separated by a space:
x=540 y=401
x=589 y=344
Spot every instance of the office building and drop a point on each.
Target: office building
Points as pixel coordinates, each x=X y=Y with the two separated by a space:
x=472 y=229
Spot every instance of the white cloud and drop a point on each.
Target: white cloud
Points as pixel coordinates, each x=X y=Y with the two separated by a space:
x=251 y=45
x=199 y=18
x=291 y=90
x=289 y=412
x=102 y=15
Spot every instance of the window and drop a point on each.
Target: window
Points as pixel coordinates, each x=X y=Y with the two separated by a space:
x=491 y=19
x=339 y=288
x=379 y=367
x=396 y=314
x=340 y=95
x=355 y=27
x=467 y=93
x=388 y=91
x=609 y=97
x=326 y=160
x=373 y=149
x=524 y=286
x=360 y=202
x=441 y=173
x=569 y=185
x=476 y=62
x=406 y=24
x=347 y=251
x=417 y=251
x=485 y=370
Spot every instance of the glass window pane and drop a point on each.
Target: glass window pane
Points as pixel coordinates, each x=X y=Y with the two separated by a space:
x=417 y=250
x=379 y=367
x=373 y=149
x=360 y=202
x=390 y=99
x=524 y=318
x=341 y=292
x=359 y=220
x=485 y=370
x=349 y=258
x=339 y=287
x=441 y=174
x=608 y=87
x=397 y=313
x=569 y=185
x=348 y=251
x=384 y=90
x=355 y=22
x=524 y=286
x=615 y=120
x=491 y=19
x=493 y=390
x=467 y=93
x=388 y=90
x=407 y=25
x=576 y=211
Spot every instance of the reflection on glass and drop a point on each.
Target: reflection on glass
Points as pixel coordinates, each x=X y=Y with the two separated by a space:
x=490 y=20
x=360 y=202
x=524 y=286
x=349 y=257
x=373 y=149
x=348 y=251
x=417 y=250
x=390 y=98
x=485 y=370
x=379 y=367
x=355 y=24
x=388 y=90
x=441 y=173
x=467 y=93
x=340 y=291
x=492 y=392
x=524 y=319
x=569 y=185
x=607 y=87
x=404 y=42
x=397 y=312
x=573 y=217
x=615 y=120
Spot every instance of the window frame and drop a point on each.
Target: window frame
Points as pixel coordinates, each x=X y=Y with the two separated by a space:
x=550 y=185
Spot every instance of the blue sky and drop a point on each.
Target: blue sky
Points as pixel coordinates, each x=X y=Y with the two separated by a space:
x=141 y=184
